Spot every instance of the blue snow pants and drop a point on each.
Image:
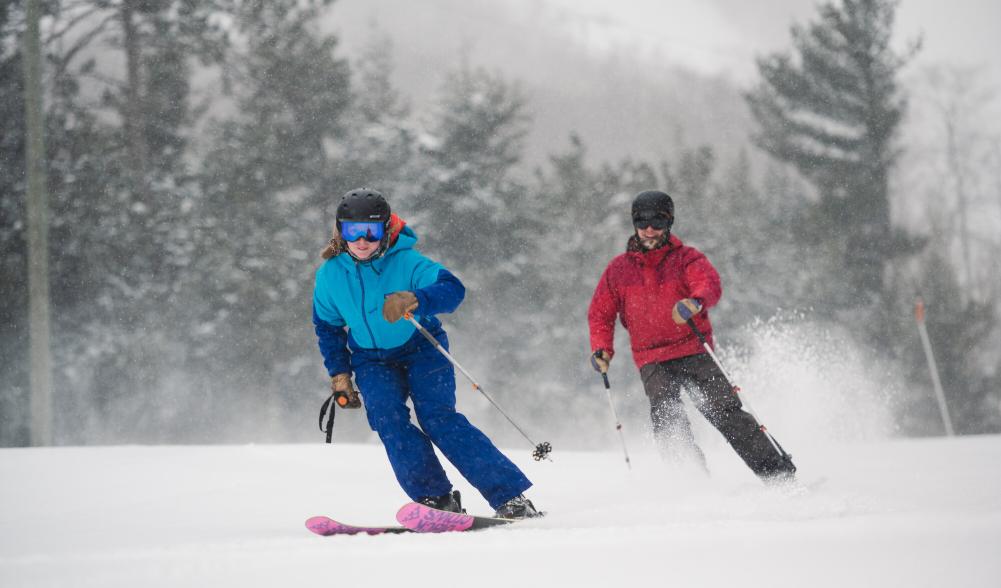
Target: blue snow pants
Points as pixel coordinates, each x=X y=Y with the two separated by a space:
x=386 y=378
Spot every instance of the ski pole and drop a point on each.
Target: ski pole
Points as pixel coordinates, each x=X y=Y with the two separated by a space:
x=615 y=416
x=736 y=391
x=943 y=408
x=542 y=450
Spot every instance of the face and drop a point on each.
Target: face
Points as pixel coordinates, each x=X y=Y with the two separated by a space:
x=652 y=229
x=650 y=237
x=363 y=249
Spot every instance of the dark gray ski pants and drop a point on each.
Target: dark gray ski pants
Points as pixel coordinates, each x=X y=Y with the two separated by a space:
x=716 y=400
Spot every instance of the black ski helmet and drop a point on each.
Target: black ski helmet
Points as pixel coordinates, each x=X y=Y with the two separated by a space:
x=653 y=203
x=365 y=205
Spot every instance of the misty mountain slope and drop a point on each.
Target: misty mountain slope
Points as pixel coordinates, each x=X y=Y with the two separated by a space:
x=903 y=513
x=620 y=100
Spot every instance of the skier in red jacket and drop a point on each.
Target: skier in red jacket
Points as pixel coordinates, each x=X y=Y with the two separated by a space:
x=654 y=288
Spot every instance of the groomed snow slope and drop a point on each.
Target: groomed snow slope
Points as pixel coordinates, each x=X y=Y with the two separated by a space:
x=891 y=513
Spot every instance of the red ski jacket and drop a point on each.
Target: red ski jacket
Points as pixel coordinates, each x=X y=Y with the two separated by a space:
x=641 y=288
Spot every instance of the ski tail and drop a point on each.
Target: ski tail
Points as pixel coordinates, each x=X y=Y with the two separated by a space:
x=327 y=526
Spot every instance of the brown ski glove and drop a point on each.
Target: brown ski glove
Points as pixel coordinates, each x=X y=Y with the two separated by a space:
x=344 y=392
x=397 y=304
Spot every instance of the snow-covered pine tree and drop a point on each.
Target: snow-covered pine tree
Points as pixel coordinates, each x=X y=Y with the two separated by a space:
x=832 y=108
x=266 y=186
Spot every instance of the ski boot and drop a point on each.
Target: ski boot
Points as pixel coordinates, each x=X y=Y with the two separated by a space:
x=780 y=472
x=451 y=502
x=518 y=507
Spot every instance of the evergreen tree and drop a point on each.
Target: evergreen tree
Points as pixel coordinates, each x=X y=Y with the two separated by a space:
x=379 y=149
x=126 y=202
x=741 y=243
x=833 y=111
x=690 y=180
x=266 y=187
x=468 y=156
x=466 y=203
x=957 y=329
x=120 y=199
x=13 y=263
x=577 y=221
x=79 y=165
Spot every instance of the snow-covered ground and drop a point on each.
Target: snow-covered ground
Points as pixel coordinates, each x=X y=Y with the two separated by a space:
x=919 y=512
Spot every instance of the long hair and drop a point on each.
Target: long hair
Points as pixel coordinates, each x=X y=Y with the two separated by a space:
x=334 y=246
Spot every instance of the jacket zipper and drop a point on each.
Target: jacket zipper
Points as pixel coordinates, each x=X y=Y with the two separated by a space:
x=364 y=311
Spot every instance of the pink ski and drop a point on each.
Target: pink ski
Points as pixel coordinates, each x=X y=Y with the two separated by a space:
x=326 y=526
x=424 y=519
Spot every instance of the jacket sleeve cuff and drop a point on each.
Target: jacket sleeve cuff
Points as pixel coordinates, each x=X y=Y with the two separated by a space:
x=423 y=303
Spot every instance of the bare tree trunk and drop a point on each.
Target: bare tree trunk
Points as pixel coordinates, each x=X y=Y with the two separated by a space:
x=38 y=234
x=138 y=151
x=954 y=158
x=961 y=98
x=996 y=166
x=996 y=152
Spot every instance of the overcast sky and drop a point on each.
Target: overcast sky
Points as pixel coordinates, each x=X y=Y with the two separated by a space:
x=723 y=35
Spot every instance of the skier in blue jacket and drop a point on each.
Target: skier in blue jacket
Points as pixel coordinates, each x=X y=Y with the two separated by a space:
x=371 y=278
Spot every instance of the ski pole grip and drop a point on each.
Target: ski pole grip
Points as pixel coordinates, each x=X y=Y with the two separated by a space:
x=595 y=357
x=594 y=362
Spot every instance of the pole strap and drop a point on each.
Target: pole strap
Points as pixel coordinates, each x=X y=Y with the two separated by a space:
x=330 y=421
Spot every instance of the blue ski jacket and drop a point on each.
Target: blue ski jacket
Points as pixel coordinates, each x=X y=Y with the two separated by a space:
x=350 y=294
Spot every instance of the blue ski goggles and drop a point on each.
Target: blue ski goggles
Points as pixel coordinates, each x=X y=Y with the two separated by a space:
x=351 y=231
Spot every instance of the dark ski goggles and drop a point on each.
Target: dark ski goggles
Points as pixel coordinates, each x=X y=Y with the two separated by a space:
x=351 y=231
x=658 y=222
